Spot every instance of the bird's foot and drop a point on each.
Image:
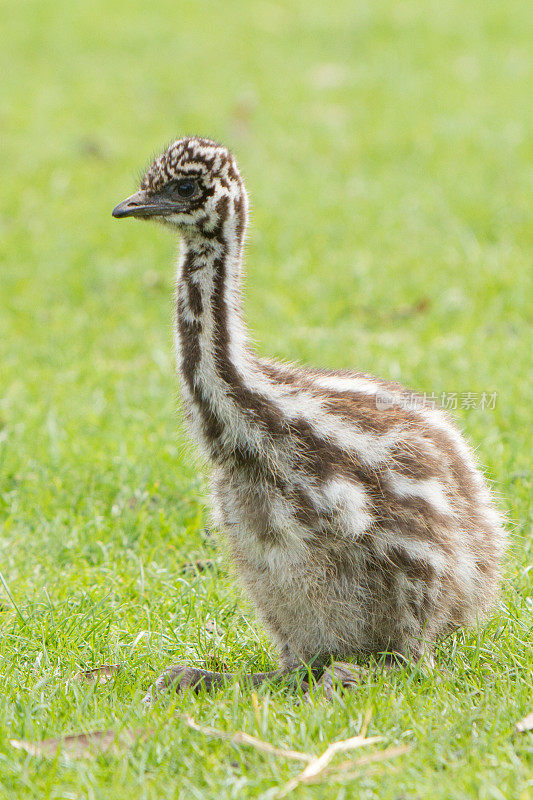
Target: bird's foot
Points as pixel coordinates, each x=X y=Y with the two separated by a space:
x=341 y=675
x=179 y=678
x=336 y=677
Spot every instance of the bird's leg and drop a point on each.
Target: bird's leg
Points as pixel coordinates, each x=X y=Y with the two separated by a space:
x=179 y=678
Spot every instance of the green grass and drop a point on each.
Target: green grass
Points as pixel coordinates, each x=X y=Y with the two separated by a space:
x=387 y=147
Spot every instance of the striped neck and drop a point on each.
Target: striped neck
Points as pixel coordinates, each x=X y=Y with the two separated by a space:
x=214 y=359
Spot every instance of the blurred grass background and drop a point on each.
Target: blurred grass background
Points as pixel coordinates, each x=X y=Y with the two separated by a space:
x=387 y=148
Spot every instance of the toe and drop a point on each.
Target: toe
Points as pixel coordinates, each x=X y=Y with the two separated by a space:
x=346 y=675
x=337 y=677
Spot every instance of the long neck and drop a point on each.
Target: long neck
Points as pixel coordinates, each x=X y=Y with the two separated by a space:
x=214 y=360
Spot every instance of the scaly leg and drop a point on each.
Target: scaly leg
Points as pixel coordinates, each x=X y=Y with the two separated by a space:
x=180 y=678
x=338 y=675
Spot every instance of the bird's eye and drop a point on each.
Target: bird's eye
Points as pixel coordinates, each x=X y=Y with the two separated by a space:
x=184 y=189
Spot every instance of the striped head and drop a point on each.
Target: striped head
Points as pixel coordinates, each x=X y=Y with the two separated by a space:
x=194 y=185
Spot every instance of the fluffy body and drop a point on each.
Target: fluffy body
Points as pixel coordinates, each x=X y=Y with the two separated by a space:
x=356 y=525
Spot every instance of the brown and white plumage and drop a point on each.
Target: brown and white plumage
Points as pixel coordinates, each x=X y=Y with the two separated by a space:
x=356 y=525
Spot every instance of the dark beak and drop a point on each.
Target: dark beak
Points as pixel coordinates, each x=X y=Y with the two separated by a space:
x=142 y=204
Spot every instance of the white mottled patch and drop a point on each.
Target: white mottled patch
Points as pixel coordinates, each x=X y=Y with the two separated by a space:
x=350 y=503
x=348 y=383
x=429 y=489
